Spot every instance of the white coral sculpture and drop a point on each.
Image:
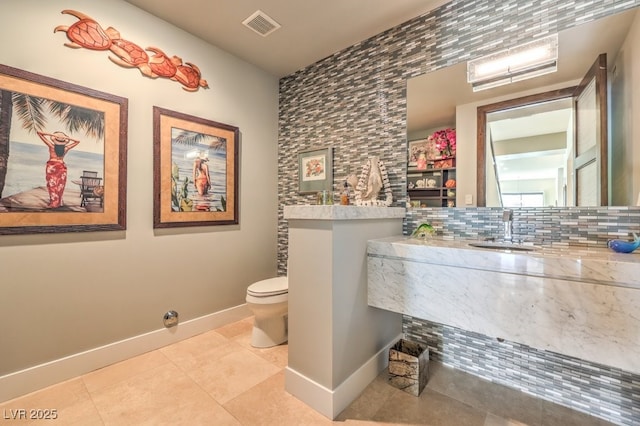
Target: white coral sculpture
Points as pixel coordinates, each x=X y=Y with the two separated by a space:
x=372 y=180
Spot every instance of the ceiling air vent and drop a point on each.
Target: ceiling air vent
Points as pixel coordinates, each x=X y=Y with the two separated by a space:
x=261 y=23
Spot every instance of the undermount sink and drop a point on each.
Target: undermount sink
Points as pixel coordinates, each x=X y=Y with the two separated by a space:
x=501 y=246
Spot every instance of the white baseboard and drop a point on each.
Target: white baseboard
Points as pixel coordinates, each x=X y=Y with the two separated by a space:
x=40 y=376
x=331 y=402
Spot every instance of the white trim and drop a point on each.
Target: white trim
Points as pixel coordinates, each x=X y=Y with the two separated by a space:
x=329 y=402
x=21 y=382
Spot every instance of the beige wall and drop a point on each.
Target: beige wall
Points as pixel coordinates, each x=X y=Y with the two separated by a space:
x=61 y=294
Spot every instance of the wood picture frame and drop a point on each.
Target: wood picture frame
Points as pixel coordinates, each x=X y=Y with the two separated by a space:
x=195 y=163
x=315 y=170
x=421 y=154
x=51 y=134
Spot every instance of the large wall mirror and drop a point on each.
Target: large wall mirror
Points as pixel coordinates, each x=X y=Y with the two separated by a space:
x=527 y=154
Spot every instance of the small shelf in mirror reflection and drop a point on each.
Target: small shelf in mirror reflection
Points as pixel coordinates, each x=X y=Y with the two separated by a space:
x=427 y=188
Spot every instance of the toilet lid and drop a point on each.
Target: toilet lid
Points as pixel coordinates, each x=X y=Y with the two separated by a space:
x=269 y=287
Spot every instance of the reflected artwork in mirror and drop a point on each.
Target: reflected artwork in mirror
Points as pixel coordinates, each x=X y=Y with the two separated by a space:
x=443 y=98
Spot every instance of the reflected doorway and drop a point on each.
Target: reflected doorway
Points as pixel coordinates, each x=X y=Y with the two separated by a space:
x=529 y=148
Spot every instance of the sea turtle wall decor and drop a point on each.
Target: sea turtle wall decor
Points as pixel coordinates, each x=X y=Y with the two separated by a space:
x=88 y=33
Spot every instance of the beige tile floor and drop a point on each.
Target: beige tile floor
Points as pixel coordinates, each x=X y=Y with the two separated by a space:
x=217 y=378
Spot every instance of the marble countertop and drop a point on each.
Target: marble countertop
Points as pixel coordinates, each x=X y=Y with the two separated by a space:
x=593 y=265
x=339 y=212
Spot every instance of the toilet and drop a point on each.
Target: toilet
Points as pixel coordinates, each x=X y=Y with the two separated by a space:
x=269 y=301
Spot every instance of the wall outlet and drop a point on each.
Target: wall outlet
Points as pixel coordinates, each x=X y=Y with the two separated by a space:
x=468 y=199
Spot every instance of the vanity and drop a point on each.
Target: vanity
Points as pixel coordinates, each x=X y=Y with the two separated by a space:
x=580 y=302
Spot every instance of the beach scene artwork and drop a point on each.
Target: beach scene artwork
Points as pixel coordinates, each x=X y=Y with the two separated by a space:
x=29 y=158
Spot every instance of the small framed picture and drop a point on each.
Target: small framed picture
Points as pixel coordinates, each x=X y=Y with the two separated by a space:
x=315 y=170
x=421 y=153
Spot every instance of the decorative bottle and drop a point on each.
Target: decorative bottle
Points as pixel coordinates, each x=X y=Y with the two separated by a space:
x=344 y=196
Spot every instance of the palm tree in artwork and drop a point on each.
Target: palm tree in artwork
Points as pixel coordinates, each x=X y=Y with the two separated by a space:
x=32 y=112
x=6 y=110
x=194 y=138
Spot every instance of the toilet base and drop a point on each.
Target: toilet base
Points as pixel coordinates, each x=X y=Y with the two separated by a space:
x=270 y=331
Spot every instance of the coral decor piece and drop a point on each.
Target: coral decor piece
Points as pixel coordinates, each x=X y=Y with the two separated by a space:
x=445 y=142
x=372 y=180
x=89 y=34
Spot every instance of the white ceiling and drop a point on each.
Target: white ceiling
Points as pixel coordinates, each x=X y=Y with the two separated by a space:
x=311 y=29
x=532 y=120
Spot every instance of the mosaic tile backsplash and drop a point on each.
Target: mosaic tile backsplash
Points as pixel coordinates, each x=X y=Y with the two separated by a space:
x=564 y=226
x=355 y=102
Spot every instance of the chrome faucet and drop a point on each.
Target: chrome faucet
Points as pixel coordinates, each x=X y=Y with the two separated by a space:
x=507 y=219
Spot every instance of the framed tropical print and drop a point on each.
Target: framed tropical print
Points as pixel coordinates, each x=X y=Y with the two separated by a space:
x=63 y=151
x=315 y=170
x=195 y=171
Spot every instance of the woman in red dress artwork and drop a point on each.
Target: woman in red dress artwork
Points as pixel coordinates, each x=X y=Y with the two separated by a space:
x=201 y=179
x=56 y=171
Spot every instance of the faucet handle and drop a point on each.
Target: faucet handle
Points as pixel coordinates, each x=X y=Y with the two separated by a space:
x=507 y=215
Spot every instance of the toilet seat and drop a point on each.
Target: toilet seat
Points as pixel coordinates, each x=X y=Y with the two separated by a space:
x=270 y=287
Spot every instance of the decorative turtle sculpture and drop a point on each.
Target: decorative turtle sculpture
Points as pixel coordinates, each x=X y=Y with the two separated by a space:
x=85 y=33
x=130 y=55
x=189 y=76
x=89 y=34
x=162 y=65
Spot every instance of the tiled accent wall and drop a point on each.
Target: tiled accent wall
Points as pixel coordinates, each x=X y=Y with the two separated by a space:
x=609 y=393
x=580 y=226
x=355 y=102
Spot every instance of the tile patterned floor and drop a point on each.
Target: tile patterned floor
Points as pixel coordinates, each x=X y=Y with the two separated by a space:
x=217 y=378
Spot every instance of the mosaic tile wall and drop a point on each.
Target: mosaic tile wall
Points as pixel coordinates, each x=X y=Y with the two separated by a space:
x=355 y=102
x=580 y=226
x=609 y=393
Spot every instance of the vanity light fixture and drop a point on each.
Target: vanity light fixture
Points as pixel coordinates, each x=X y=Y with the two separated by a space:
x=518 y=63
